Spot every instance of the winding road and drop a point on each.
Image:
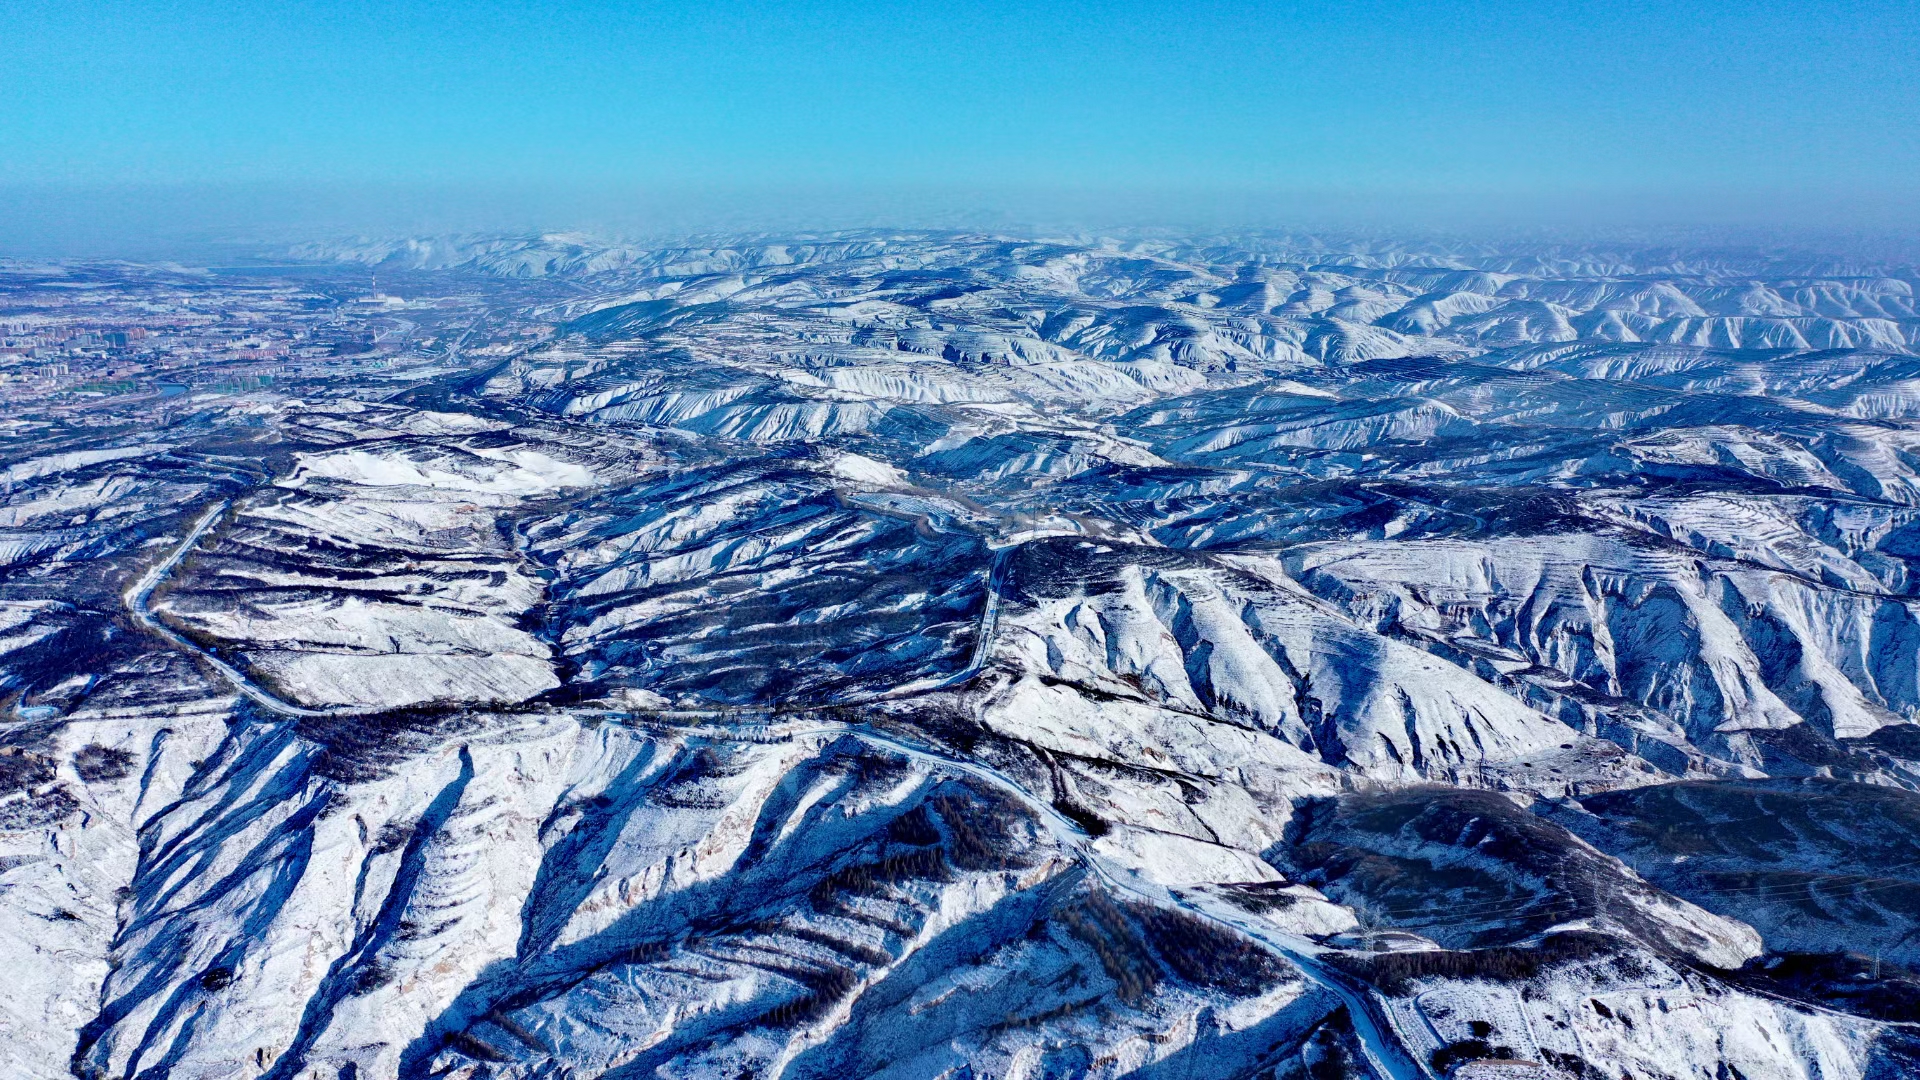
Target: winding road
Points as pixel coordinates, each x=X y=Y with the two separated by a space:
x=141 y=592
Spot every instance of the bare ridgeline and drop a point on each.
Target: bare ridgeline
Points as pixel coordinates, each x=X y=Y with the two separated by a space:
x=919 y=655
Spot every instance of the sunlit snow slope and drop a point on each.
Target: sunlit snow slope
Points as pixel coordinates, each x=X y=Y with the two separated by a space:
x=927 y=655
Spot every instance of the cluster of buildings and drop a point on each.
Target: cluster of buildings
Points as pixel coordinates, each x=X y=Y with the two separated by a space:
x=115 y=341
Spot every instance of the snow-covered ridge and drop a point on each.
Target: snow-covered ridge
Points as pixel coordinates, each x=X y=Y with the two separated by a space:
x=910 y=655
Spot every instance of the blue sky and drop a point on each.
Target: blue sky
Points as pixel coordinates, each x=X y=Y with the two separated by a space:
x=1497 y=99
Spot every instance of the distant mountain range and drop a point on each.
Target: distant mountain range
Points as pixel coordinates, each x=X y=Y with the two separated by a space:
x=934 y=655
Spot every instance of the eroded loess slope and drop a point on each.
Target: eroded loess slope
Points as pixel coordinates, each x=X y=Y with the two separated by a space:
x=931 y=655
x=774 y=581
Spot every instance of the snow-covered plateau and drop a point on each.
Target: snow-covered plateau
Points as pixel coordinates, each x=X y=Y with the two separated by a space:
x=924 y=655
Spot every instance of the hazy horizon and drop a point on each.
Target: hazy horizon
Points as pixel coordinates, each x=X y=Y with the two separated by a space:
x=144 y=128
x=204 y=220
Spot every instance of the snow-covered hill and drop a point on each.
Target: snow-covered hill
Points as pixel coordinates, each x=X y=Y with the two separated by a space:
x=928 y=655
